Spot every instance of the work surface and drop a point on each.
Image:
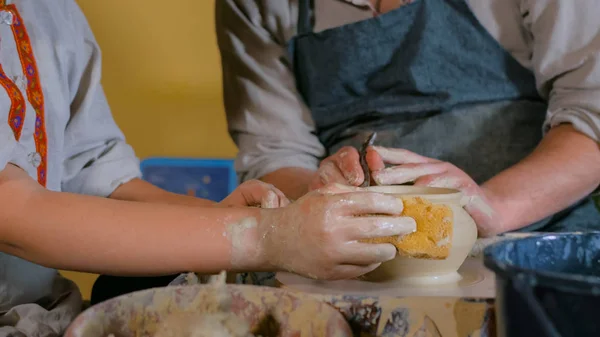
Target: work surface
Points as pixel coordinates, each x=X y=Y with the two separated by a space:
x=478 y=282
x=387 y=309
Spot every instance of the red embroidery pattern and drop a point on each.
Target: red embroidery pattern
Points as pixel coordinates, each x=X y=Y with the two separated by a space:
x=16 y=115
x=35 y=95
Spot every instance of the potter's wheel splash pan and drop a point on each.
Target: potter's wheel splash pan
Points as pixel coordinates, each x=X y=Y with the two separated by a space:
x=270 y=312
x=547 y=285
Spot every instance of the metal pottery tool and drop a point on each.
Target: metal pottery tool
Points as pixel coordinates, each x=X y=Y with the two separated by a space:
x=363 y=159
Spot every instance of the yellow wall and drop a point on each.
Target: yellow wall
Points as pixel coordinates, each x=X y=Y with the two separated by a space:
x=162 y=78
x=162 y=74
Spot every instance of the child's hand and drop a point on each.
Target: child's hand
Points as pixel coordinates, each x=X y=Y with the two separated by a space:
x=255 y=193
x=318 y=235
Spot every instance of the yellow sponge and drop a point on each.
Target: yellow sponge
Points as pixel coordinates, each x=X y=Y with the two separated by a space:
x=433 y=238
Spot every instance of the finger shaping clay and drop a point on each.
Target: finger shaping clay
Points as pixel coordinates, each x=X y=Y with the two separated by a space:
x=444 y=237
x=433 y=237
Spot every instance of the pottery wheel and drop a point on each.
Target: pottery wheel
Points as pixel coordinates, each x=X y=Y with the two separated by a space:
x=476 y=282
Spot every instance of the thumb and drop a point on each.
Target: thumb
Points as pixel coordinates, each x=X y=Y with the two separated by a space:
x=274 y=199
x=264 y=195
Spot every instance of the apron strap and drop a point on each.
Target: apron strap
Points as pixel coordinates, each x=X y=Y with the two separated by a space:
x=304 y=16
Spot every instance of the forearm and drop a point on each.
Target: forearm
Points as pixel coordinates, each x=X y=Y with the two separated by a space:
x=81 y=233
x=562 y=170
x=139 y=190
x=293 y=181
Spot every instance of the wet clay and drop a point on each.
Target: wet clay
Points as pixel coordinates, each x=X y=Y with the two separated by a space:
x=417 y=271
x=212 y=319
x=190 y=324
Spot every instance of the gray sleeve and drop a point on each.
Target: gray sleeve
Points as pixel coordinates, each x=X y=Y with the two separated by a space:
x=566 y=60
x=98 y=160
x=267 y=118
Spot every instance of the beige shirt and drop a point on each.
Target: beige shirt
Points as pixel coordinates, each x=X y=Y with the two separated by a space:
x=54 y=76
x=558 y=40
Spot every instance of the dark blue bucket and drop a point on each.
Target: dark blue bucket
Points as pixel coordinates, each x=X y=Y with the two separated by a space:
x=547 y=285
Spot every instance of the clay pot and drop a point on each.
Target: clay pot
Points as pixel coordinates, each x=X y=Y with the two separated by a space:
x=420 y=271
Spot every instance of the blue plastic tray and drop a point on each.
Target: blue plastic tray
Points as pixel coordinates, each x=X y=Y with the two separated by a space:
x=211 y=179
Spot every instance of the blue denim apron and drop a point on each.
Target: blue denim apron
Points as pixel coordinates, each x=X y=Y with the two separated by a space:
x=429 y=78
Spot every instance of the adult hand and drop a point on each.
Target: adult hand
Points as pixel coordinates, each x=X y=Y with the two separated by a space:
x=255 y=193
x=423 y=171
x=318 y=235
x=343 y=167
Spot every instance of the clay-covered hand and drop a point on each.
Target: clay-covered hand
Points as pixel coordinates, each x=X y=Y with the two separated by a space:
x=255 y=193
x=408 y=166
x=318 y=235
x=343 y=167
